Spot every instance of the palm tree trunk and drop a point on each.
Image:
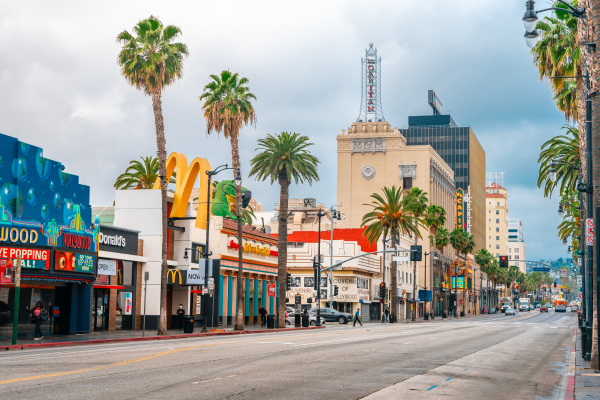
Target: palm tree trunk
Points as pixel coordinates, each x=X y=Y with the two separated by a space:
x=161 y=145
x=235 y=162
x=394 y=280
x=282 y=244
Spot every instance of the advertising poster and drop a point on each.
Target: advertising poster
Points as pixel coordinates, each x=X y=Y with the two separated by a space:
x=65 y=261
x=128 y=303
x=30 y=258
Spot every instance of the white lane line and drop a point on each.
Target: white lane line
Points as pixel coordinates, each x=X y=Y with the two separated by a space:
x=215 y=379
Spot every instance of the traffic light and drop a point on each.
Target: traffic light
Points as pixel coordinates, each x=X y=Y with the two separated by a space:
x=288 y=281
x=336 y=290
x=382 y=291
x=503 y=260
x=555 y=284
x=416 y=252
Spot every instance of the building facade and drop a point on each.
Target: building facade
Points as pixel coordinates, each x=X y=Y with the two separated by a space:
x=372 y=155
x=516 y=244
x=460 y=149
x=497 y=220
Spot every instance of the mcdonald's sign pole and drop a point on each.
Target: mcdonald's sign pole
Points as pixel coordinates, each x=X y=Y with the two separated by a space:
x=17 y=295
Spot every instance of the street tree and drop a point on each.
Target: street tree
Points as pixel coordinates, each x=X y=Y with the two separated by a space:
x=392 y=213
x=284 y=158
x=418 y=198
x=151 y=60
x=227 y=107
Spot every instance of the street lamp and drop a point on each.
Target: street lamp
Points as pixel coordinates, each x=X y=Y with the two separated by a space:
x=552 y=174
x=335 y=215
x=561 y=212
x=530 y=19
x=207 y=253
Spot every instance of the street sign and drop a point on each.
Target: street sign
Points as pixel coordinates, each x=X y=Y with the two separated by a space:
x=541 y=269
x=579 y=280
x=589 y=231
x=400 y=258
x=563 y=272
x=580 y=296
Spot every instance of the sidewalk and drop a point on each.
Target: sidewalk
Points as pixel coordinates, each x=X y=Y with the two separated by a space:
x=586 y=382
x=129 y=336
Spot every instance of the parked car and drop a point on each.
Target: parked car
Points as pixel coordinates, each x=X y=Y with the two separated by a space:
x=312 y=319
x=510 y=311
x=544 y=308
x=331 y=315
x=492 y=310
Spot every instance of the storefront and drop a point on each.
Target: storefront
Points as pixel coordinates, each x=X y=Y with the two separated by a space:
x=45 y=219
x=117 y=294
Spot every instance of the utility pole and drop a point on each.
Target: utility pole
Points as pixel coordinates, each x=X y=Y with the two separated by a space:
x=17 y=295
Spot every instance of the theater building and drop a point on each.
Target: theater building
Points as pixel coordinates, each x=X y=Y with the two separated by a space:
x=45 y=218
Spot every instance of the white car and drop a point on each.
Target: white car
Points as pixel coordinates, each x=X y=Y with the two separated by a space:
x=509 y=311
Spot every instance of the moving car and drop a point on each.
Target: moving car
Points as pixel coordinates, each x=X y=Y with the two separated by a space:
x=312 y=319
x=574 y=308
x=331 y=315
x=544 y=308
x=509 y=311
x=492 y=310
x=560 y=305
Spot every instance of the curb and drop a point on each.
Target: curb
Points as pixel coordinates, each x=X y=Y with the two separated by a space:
x=570 y=384
x=146 y=338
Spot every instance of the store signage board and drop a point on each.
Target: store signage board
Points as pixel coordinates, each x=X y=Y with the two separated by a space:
x=30 y=258
x=107 y=267
x=194 y=277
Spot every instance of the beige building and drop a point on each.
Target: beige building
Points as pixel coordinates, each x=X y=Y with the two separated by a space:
x=372 y=155
x=497 y=220
x=516 y=244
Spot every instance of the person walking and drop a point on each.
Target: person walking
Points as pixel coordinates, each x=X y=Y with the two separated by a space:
x=37 y=317
x=356 y=318
x=263 y=316
x=387 y=314
x=180 y=316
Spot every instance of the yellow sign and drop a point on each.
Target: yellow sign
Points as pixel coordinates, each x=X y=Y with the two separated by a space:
x=460 y=194
x=171 y=274
x=184 y=183
x=262 y=250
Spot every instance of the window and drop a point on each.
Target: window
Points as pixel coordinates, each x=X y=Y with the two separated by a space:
x=497 y=237
x=489 y=237
x=516 y=257
x=497 y=229
x=497 y=220
x=497 y=203
x=489 y=211
x=516 y=250
x=510 y=257
x=497 y=247
x=490 y=246
x=295 y=244
x=406 y=183
x=490 y=220
x=509 y=250
x=490 y=203
x=497 y=212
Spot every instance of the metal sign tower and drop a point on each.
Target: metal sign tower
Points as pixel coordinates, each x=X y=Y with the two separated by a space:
x=370 y=95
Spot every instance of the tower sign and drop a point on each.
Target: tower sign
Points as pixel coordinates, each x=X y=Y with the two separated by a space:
x=370 y=99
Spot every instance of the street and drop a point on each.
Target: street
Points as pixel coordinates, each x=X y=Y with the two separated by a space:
x=487 y=357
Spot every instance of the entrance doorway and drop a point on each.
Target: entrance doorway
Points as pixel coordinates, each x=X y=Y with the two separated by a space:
x=100 y=311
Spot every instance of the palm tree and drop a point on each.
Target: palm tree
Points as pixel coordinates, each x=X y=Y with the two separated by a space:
x=566 y=149
x=419 y=199
x=284 y=158
x=392 y=214
x=442 y=238
x=150 y=60
x=227 y=108
x=484 y=259
x=434 y=218
x=460 y=241
x=140 y=175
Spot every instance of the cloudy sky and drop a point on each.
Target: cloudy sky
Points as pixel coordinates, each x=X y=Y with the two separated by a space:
x=61 y=88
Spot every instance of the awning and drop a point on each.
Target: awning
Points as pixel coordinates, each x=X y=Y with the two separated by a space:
x=109 y=287
x=56 y=278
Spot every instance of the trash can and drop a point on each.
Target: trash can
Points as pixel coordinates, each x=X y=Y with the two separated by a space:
x=392 y=318
x=188 y=324
x=305 y=321
x=297 y=320
x=270 y=321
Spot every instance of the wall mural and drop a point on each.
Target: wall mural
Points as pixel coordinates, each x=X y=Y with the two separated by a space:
x=40 y=204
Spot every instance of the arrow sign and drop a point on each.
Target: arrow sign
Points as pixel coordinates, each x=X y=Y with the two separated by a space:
x=541 y=269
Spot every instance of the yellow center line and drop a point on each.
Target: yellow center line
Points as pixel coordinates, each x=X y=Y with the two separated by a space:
x=165 y=353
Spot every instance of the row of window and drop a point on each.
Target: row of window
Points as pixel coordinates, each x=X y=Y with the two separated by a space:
x=497 y=212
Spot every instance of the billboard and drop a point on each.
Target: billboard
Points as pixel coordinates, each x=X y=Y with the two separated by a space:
x=460 y=197
x=72 y=262
x=30 y=258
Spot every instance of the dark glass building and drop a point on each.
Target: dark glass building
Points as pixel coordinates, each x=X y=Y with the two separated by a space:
x=459 y=147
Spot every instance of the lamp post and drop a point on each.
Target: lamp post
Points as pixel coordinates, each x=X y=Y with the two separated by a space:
x=383 y=280
x=317 y=265
x=334 y=215
x=207 y=253
x=530 y=19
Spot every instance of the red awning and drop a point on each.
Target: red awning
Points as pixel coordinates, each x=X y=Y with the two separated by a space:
x=108 y=287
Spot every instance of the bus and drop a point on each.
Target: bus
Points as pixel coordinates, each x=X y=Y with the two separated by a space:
x=560 y=305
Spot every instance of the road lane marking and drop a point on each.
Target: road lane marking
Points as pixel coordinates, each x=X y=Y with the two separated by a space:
x=215 y=379
x=434 y=386
x=448 y=379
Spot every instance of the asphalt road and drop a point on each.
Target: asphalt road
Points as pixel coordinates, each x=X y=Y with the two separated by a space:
x=487 y=357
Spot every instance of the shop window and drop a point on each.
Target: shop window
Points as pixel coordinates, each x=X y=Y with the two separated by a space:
x=124 y=273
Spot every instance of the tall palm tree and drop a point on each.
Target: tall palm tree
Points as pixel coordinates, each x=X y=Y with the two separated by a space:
x=459 y=241
x=392 y=214
x=442 y=238
x=283 y=158
x=484 y=259
x=227 y=108
x=434 y=218
x=419 y=199
x=150 y=60
x=566 y=149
